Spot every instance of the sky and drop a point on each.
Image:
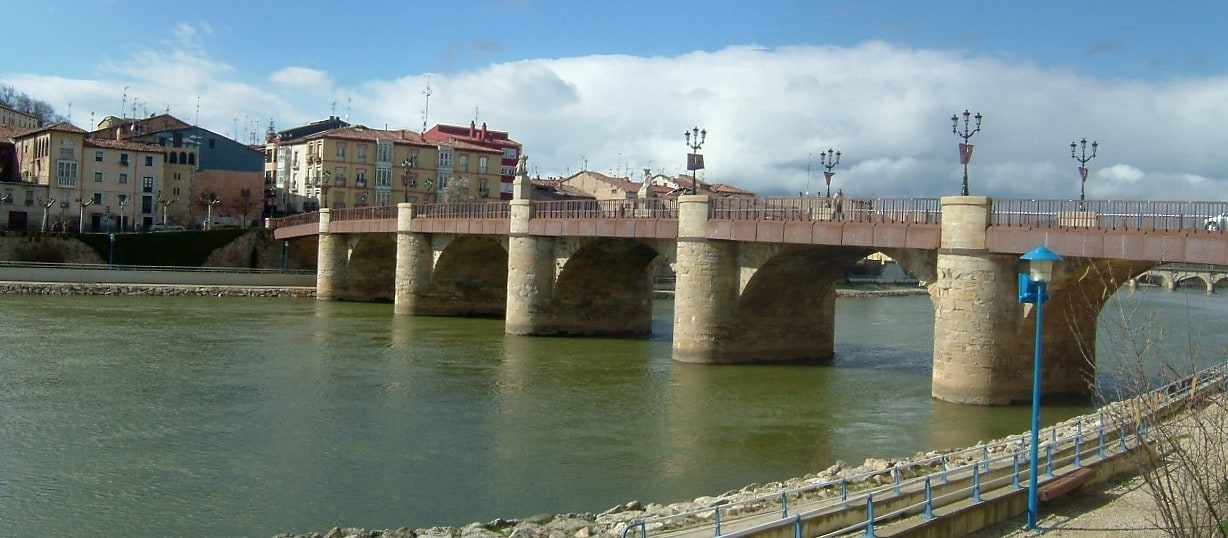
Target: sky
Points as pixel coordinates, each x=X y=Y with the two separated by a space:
x=613 y=86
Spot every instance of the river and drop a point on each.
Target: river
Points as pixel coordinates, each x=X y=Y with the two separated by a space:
x=188 y=416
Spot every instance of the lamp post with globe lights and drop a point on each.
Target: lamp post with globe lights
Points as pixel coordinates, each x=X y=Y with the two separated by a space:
x=829 y=160
x=694 y=160
x=1083 y=158
x=965 y=149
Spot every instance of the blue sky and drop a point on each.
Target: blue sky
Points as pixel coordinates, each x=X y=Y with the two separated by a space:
x=614 y=85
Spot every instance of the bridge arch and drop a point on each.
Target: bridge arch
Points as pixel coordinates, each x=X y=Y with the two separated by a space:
x=469 y=278
x=354 y=267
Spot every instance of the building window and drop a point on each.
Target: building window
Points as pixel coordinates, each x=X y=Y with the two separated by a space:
x=362 y=153
x=147 y=184
x=98 y=198
x=179 y=176
x=97 y=177
x=8 y=195
x=212 y=142
x=123 y=159
x=483 y=164
x=462 y=163
x=123 y=179
x=360 y=178
x=98 y=155
x=445 y=158
x=484 y=188
x=149 y=160
x=66 y=173
x=509 y=153
x=340 y=151
x=175 y=191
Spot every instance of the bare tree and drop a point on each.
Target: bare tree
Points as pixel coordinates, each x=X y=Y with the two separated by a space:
x=244 y=204
x=1184 y=463
x=457 y=191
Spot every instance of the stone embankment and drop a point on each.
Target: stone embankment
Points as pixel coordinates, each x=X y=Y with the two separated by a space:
x=53 y=288
x=612 y=522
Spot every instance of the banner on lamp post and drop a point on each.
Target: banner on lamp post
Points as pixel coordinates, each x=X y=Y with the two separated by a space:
x=827 y=176
x=1083 y=172
x=965 y=153
x=694 y=161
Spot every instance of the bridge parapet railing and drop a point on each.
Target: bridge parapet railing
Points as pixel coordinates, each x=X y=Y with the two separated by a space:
x=295 y=220
x=1110 y=214
x=842 y=209
x=381 y=212
x=463 y=210
x=633 y=208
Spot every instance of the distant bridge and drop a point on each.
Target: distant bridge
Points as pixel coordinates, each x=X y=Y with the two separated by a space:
x=755 y=277
x=1175 y=275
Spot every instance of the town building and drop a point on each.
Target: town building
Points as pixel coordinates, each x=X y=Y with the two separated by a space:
x=356 y=166
x=91 y=185
x=13 y=118
x=509 y=150
x=206 y=173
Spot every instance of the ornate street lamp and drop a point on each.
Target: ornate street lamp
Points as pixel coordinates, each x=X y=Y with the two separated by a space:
x=829 y=160
x=694 y=161
x=965 y=149
x=1040 y=262
x=1083 y=159
x=407 y=176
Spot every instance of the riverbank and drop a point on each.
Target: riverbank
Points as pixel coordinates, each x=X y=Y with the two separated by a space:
x=166 y=290
x=68 y=288
x=613 y=522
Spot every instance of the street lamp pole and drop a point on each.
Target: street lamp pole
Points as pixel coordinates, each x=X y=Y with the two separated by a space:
x=829 y=164
x=1032 y=289
x=965 y=149
x=1083 y=159
x=694 y=161
x=407 y=176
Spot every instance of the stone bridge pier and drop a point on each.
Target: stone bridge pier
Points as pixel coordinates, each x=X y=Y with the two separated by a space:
x=752 y=302
x=353 y=267
x=984 y=338
x=576 y=286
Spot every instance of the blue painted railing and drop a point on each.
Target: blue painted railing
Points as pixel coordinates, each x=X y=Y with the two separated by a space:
x=976 y=470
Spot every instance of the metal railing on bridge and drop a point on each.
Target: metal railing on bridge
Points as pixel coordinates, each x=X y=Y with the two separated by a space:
x=462 y=210
x=635 y=208
x=371 y=212
x=1108 y=214
x=1096 y=214
x=870 y=210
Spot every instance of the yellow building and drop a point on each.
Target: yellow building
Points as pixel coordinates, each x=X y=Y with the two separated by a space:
x=356 y=166
x=104 y=184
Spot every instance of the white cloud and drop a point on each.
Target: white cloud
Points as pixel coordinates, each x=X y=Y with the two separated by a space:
x=886 y=108
x=301 y=78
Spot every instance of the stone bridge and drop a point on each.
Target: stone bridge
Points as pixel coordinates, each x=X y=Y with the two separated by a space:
x=756 y=277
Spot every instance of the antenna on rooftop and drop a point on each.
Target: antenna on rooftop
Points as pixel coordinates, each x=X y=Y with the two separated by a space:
x=124 y=103
x=332 y=111
x=197 y=122
x=475 y=114
x=426 y=111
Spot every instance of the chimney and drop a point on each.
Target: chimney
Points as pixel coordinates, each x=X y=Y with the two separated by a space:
x=472 y=129
x=484 y=132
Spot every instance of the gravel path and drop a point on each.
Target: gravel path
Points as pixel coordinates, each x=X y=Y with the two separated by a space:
x=1115 y=508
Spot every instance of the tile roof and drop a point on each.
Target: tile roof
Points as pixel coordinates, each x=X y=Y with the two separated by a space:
x=120 y=144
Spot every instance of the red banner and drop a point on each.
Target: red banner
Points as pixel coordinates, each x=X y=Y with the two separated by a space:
x=694 y=161
x=965 y=153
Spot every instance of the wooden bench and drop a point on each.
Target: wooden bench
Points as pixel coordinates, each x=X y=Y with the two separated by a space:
x=1067 y=483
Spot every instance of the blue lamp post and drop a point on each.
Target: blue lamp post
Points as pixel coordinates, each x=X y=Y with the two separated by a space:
x=1032 y=284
